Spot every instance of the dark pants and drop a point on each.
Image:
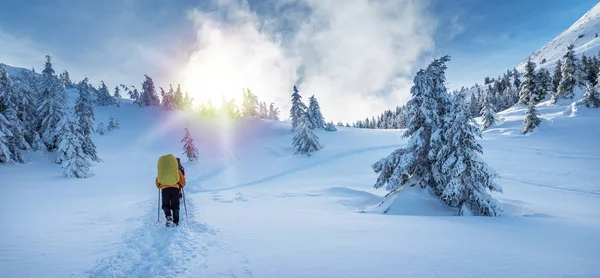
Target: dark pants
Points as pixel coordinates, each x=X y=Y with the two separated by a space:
x=170 y=202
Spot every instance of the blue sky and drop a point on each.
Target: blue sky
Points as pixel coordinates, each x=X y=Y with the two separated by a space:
x=119 y=41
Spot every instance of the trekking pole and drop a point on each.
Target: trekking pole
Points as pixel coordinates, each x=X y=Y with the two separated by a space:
x=158 y=209
x=184 y=206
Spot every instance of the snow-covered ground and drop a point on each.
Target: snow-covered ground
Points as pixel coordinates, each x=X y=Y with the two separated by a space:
x=256 y=210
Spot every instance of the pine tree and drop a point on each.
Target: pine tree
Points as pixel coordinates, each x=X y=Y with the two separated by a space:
x=273 y=112
x=298 y=109
x=568 y=80
x=330 y=127
x=189 y=149
x=65 y=79
x=556 y=76
x=250 y=105
x=8 y=107
x=71 y=156
x=52 y=106
x=591 y=98
x=414 y=164
x=529 y=88
x=24 y=87
x=315 y=118
x=531 y=120
x=305 y=140
x=187 y=102
x=467 y=178
x=85 y=117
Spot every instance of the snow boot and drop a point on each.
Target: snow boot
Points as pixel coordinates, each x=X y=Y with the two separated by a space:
x=170 y=221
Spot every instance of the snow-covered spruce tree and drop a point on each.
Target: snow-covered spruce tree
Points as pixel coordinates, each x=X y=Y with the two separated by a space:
x=5 y=154
x=414 y=164
x=305 y=140
x=590 y=70
x=568 y=79
x=84 y=117
x=544 y=85
x=104 y=98
x=71 y=156
x=149 y=97
x=591 y=98
x=112 y=124
x=466 y=177
x=187 y=102
x=100 y=129
x=65 y=79
x=298 y=109
x=51 y=106
x=250 y=104
x=24 y=87
x=516 y=79
x=189 y=149
x=556 y=76
x=263 y=113
x=178 y=98
x=531 y=121
x=315 y=118
x=117 y=93
x=273 y=112
x=529 y=87
x=488 y=115
x=330 y=127
x=8 y=107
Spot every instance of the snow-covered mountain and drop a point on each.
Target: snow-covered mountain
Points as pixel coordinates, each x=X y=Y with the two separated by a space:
x=584 y=34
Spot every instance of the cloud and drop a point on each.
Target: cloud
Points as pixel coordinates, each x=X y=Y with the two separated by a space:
x=21 y=52
x=356 y=57
x=456 y=28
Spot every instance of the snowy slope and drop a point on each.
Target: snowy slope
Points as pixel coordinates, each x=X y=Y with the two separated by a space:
x=256 y=210
x=582 y=34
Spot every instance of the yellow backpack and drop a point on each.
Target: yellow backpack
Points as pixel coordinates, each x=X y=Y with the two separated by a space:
x=168 y=170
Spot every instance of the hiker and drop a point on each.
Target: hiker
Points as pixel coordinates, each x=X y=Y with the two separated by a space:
x=183 y=172
x=170 y=181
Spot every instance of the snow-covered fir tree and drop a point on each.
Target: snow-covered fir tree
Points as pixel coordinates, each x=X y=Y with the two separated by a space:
x=187 y=102
x=250 y=105
x=100 y=129
x=589 y=70
x=467 y=179
x=298 y=109
x=262 y=111
x=305 y=140
x=531 y=121
x=591 y=98
x=5 y=154
x=178 y=98
x=149 y=96
x=556 y=76
x=112 y=124
x=24 y=86
x=330 y=127
x=488 y=114
x=529 y=88
x=189 y=149
x=8 y=107
x=104 y=98
x=414 y=164
x=117 y=93
x=65 y=79
x=315 y=118
x=273 y=112
x=51 y=106
x=544 y=84
x=85 y=117
x=568 y=79
x=71 y=156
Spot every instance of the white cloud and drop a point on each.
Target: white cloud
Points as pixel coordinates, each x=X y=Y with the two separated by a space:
x=357 y=56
